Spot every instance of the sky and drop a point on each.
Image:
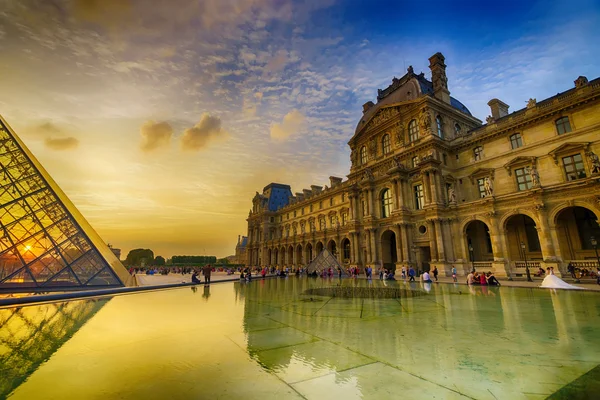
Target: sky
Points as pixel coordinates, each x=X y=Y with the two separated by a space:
x=161 y=119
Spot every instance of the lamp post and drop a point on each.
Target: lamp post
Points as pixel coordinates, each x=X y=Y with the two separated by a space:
x=595 y=244
x=526 y=265
x=472 y=258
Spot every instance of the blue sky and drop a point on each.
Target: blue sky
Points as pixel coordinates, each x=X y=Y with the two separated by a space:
x=179 y=111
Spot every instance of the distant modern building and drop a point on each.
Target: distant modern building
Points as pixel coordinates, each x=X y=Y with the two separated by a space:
x=45 y=242
x=430 y=185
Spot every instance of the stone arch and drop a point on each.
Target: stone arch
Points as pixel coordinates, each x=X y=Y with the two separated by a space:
x=299 y=255
x=575 y=225
x=522 y=230
x=276 y=256
x=319 y=248
x=389 y=255
x=290 y=255
x=476 y=233
x=269 y=257
x=309 y=253
x=332 y=247
x=556 y=210
x=281 y=256
x=507 y=216
x=465 y=223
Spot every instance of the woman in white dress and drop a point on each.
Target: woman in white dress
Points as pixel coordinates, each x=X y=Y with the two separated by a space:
x=552 y=281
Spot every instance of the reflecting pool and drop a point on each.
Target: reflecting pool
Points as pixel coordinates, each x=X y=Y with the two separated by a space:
x=283 y=339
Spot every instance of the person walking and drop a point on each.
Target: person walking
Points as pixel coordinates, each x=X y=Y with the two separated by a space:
x=206 y=270
x=381 y=273
x=435 y=273
x=411 y=274
x=454 y=273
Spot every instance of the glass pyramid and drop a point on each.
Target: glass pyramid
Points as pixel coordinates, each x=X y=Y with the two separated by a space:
x=325 y=260
x=45 y=243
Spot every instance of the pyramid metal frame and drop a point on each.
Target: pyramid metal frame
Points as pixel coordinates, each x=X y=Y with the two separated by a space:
x=325 y=260
x=45 y=242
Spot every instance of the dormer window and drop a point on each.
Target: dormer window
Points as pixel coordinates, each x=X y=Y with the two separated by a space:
x=363 y=155
x=413 y=130
x=478 y=153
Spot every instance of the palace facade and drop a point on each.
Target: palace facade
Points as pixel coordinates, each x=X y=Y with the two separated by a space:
x=430 y=185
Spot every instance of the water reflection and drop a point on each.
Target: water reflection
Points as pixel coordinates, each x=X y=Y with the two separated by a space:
x=30 y=335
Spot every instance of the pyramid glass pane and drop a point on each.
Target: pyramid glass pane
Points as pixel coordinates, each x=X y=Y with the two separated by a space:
x=44 y=241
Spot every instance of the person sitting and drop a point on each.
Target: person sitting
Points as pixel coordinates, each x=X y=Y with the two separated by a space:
x=195 y=277
x=483 y=279
x=541 y=272
x=470 y=279
x=390 y=276
x=491 y=279
x=426 y=277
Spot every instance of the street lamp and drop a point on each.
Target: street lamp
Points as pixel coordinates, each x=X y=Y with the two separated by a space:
x=595 y=244
x=472 y=258
x=526 y=265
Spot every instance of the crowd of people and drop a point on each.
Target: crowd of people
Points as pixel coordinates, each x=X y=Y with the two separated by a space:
x=475 y=278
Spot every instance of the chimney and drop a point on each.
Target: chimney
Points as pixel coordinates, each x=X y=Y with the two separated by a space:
x=367 y=106
x=438 y=77
x=316 y=189
x=300 y=196
x=334 y=181
x=307 y=193
x=499 y=109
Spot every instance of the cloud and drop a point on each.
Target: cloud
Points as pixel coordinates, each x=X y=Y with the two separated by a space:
x=155 y=135
x=208 y=129
x=67 y=143
x=292 y=123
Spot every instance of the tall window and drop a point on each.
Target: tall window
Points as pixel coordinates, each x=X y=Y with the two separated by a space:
x=332 y=221
x=523 y=179
x=386 y=203
x=344 y=219
x=563 y=125
x=413 y=131
x=363 y=155
x=321 y=205
x=438 y=122
x=457 y=129
x=364 y=207
x=294 y=213
x=346 y=249
x=419 y=197
x=331 y=202
x=478 y=153
x=385 y=144
x=574 y=167
x=533 y=240
x=322 y=224
x=516 y=141
x=343 y=197
x=302 y=210
x=295 y=229
x=311 y=208
x=481 y=187
x=415 y=161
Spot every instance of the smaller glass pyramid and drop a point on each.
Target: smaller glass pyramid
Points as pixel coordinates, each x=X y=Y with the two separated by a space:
x=45 y=243
x=325 y=260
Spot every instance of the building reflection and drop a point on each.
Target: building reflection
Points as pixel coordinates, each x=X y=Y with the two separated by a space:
x=30 y=335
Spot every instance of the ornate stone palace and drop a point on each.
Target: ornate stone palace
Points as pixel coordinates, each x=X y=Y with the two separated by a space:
x=431 y=186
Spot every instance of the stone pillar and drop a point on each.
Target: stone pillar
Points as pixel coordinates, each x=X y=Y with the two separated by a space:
x=406 y=257
x=373 y=246
x=401 y=194
x=447 y=231
x=368 y=245
x=370 y=201
x=427 y=188
x=439 y=239
x=548 y=252
x=399 y=251
x=499 y=247
x=432 y=240
x=441 y=190
x=394 y=194
x=432 y=186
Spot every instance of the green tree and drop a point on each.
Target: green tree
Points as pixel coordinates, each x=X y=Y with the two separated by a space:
x=139 y=257
x=223 y=261
x=159 y=260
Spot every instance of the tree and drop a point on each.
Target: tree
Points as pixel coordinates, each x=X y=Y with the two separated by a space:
x=223 y=261
x=139 y=257
x=159 y=260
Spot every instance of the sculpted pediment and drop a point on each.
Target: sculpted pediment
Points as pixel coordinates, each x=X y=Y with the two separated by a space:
x=518 y=161
x=568 y=147
x=481 y=172
x=381 y=116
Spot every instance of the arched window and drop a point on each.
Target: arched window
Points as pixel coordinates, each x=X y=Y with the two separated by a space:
x=386 y=203
x=438 y=122
x=363 y=155
x=413 y=131
x=385 y=144
x=563 y=125
x=457 y=129
x=516 y=141
x=346 y=249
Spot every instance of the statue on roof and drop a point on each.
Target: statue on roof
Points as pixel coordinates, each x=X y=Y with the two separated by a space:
x=531 y=103
x=410 y=69
x=489 y=119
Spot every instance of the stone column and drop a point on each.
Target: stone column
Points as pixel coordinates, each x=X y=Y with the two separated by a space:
x=401 y=194
x=399 y=251
x=439 y=239
x=499 y=247
x=441 y=190
x=432 y=186
x=548 y=252
x=427 y=188
x=370 y=201
x=394 y=194
x=406 y=257
x=432 y=240
x=447 y=231
x=368 y=245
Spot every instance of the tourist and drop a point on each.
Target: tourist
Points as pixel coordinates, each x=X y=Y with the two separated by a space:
x=454 y=273
x=551 y=270
x=263 y=273
x=403 y=272
x=390 y=276
x=206 y=271
x=385 y=274
x=482 y=279
x=491 y=280
x=470 y=278
x=195 y=277
x=426 y=278
x=369 y=272
x=411 y=274
x=380 y=273
x=435 y=273
x=541 y=272
x=571 y=270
